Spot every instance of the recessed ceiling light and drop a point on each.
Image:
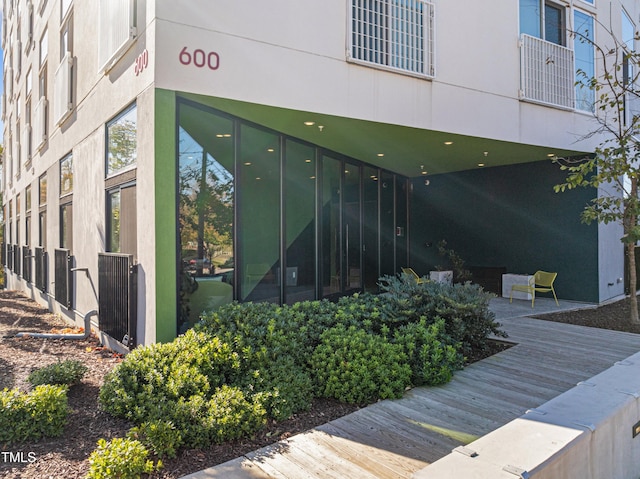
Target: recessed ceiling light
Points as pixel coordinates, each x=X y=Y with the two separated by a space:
x=448 y=143
x=219 y=135
x=307 y=160
x=312 y=177
x=258 y=178
x=309 y=123
x=247 y=163
x=380 y=155
x=270 y=150
x=423 y=172
x=227 y=135
x=551 y=155
x=480 y=165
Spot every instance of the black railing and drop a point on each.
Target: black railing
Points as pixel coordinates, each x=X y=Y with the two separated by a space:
x=63 y=278
x=26 y=264
x=118 y=294
x=16 y=259
x=41 y=262
x=10 y=257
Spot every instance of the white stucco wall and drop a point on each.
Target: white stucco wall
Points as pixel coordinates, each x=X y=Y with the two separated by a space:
x=281 y=53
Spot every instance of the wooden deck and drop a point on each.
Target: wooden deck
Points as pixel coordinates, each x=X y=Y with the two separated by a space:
x=394 y=439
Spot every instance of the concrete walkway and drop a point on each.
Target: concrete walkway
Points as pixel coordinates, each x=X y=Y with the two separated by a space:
x=392 y=439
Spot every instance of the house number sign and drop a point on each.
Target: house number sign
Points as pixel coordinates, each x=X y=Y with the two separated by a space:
x=142 y=62
x=199 y=58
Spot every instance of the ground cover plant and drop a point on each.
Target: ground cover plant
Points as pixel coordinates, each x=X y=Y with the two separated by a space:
x=246 y=364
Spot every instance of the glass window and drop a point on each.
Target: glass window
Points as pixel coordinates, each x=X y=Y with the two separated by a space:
x=64 y=8
x=206 y=211
x=370 y=229
x=27 y=199
x=42 y=187
x=331 y=232
x=44 y=46
x=66 y=38
x=66 y=175
x=122 y=141
x=585 y=59
x=545 y=20
x=300 y=208
x=66 y=226
x=113 y=207
x=259 y=228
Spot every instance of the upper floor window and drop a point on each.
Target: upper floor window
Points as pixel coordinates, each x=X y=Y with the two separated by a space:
x=542 y=19
x=585 y=59
x=117 y=30
x=44 y=47
x=393 y=34
x=122 y=141
x=66 y=175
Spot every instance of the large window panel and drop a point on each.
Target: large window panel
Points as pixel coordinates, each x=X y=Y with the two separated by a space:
x=370 y=222
x=300 y=208
x=331 y=232
x=352 y=222
x=259 y=221
x=585 y=59
x=206 y=212
x=122 y=146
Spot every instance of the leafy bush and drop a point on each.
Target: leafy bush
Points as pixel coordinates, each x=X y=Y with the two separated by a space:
x=227 y=414
x=120 y=458
x=432 y=358
x=67 y=372
x=463 y=307
x=150 y=378
x=159 y=436
x=354 y=366
x=39 y=413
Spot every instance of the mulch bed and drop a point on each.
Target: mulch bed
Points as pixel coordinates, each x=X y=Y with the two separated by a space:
x=66 y=456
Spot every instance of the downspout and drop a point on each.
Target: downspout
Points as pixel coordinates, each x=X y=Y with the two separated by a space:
x=81 y=336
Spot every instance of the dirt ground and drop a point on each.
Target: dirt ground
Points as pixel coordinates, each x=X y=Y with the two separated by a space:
x=66 y=456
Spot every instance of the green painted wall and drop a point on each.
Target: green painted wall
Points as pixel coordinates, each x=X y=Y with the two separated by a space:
x=165 y=214
x=508 y=217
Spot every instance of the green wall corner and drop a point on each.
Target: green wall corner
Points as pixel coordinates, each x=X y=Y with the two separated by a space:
x=165 y=215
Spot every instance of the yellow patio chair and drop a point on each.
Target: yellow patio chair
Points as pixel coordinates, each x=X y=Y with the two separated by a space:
x=541 y=281
x=410 y=272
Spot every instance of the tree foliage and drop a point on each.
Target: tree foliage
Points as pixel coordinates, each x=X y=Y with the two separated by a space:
x=614 y=168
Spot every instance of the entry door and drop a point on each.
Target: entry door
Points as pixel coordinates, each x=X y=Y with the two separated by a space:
x=129 y=224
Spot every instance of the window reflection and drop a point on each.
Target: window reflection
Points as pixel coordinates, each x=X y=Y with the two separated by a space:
x=206 y=210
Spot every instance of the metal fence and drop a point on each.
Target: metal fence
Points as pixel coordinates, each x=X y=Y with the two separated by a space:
x=63 y=277
x=117 y=292
x=26 y=264
x=42 y=270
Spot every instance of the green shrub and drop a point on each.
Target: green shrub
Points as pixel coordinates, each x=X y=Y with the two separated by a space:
x=161 y=437
x=67 y=372
x=356 y=367
x=151 y=377
x=432 y=358
x=120 y=459
x=285 y=388
x=463 y=307
x=39 y=413
x=228 y=414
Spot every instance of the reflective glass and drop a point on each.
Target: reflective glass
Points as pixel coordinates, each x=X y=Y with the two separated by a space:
x=206 y=212
x=300 y=207
x=259 y=220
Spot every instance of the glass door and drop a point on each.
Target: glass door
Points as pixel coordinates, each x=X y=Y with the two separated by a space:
x=352 y=247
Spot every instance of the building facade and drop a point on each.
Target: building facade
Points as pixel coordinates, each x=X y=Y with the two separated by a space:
x=163 y=158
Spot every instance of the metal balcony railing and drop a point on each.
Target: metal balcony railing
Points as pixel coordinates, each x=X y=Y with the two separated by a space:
x=547 y=73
